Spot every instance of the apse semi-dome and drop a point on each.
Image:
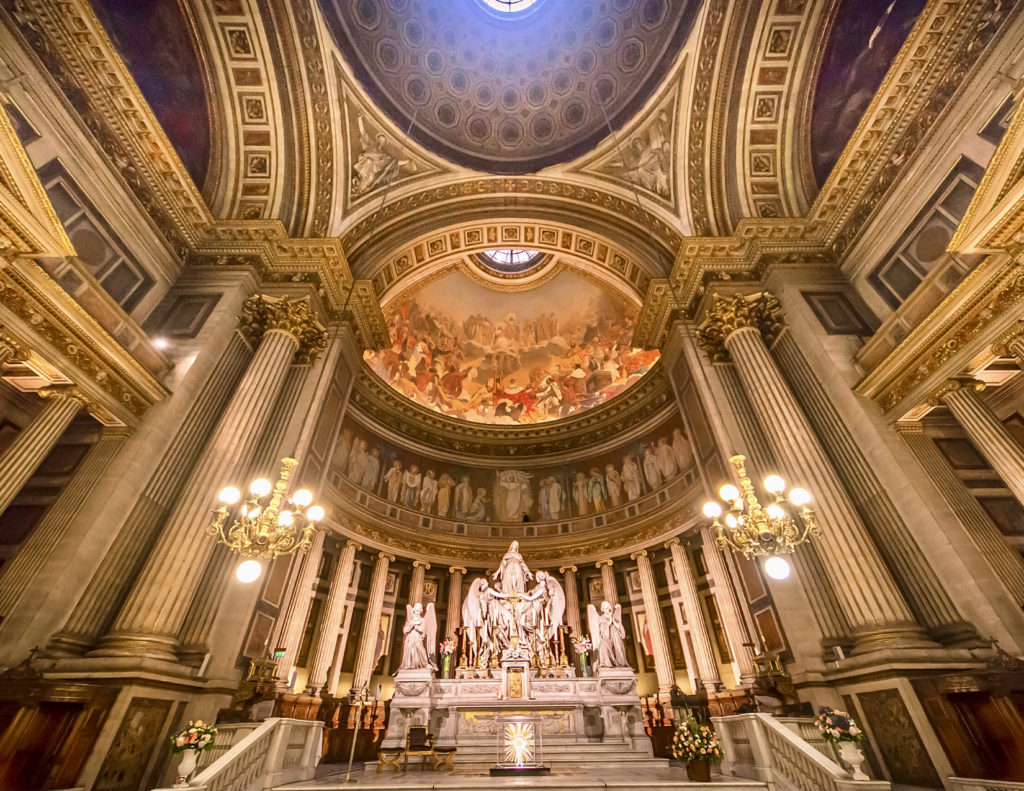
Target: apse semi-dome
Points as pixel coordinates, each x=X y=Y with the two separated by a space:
x=527 y=353
x=509 y=92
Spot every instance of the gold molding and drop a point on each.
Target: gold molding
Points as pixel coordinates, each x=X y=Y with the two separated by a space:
x=726 y=315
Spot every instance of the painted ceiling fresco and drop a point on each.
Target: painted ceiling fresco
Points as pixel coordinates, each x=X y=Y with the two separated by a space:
x=465 y=350
x=865 y=38
x=509 y=93
x=156 y=44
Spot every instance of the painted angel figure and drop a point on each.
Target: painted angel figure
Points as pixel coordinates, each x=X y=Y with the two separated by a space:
x=420 y=638
x=608 y=635
x=474 y=619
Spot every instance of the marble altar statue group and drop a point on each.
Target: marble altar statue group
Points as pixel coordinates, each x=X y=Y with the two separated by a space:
x=512 y=619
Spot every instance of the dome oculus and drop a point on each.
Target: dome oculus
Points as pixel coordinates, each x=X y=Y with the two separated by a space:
x=509 y=6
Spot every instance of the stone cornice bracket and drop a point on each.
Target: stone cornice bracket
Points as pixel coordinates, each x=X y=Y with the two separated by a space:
x=952 y=386
x=726 y=315
x=261 y=314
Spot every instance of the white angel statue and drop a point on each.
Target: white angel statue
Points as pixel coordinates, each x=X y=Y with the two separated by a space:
x=608 y=635
x=420 y=638
x=474 y=619
x=554 y=606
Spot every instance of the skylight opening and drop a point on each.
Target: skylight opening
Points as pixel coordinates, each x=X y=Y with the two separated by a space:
x=512 y=257
x=509 y=6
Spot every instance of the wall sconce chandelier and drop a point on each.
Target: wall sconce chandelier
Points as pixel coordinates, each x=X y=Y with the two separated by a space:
x=270 y=522
x=755 y=530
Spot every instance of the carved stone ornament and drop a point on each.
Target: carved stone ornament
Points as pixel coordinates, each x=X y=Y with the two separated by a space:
x=18 y=352
x=728 y=314
x=1006 y=345
x=68 y=392
x=952 y=386
x=260 y=314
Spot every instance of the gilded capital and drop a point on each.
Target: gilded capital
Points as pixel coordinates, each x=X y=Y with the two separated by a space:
x=65 y=392
x=957 y=385
x=565 y=569
x=760 y=311
x=1004 y=343
x=18 y=353
x=418 y=563
x=261 y=314
x=454 y=569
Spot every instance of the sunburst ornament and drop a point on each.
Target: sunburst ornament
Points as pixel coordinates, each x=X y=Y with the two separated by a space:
x=520 y=743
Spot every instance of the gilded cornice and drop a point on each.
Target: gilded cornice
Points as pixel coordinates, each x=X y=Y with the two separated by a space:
x=589 y=539
x=45 y=318
x=385 y=410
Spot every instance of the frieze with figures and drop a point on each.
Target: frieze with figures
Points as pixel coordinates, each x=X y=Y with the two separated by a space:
x=437 y=488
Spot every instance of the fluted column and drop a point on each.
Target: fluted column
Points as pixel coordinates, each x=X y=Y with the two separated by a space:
x=609 y=591
x=365 y=659
x=700 y=638
x=31 y=557
x=453 y=618
x=985 y=430
x=874 y=606
x=154 y=612
x=298 y=613
x=572 y=599
x=1007 y=563
x=327 y=638
x=728 y=606
x=36 y=440
x=659 y=640
x=419 y=570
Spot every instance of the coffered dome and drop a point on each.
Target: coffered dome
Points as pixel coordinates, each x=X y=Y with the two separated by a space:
x=505 y=90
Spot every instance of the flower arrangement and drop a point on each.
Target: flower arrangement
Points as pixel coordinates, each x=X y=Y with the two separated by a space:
x=447 y=646
x=197 y=736
x=582 y=645
x=838 y=726
x=694 y=742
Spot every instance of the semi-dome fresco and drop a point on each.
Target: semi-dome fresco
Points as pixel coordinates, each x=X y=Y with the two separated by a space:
x=466 y=350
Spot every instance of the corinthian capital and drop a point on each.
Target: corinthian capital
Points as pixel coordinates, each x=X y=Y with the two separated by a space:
x=728 y=314
x=261 y=314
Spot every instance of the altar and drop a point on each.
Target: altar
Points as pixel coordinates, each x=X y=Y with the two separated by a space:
x=513 y=666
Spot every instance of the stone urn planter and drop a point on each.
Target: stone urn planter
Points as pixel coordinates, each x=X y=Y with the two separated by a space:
x=853 y=757
x=699 y=770
x=187 y=765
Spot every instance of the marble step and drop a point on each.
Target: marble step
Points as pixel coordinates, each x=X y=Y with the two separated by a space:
x=592 y=756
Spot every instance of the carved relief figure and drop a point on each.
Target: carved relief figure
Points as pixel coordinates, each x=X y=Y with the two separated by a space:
x=411 y=486
x=393 y=478
x=613 y=482
x=444 y=494
x=428 y=491
x=631 y=478
x=420 y=636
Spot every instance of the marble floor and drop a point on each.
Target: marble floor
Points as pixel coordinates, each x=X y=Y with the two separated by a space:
x=574 y=778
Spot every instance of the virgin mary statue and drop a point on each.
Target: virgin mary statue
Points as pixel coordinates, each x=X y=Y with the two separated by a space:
x=513 y=571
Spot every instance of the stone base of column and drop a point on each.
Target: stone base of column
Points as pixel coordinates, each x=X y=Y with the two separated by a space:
x=192 y=655
x=958 y=635
x=889 y=638
x=64 y=644
x=152 y=646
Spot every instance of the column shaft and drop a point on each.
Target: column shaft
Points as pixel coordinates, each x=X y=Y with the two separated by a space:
x=301 y=600
x=873 y=604
x=453 y=618
x=327 y=638
x=334 y=673
x=34 y=442
x=154 y=612
x=609 y=591
x=989 y=435
x=662 y=654
x=707 y=667
x=365 y=659
x=729 y=606
x=572 y=600
x=1007 y=564
x=419 y=569
x=33 y=553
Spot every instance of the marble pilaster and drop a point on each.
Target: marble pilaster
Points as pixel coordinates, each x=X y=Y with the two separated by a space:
x=985 y=430
x=365 y=659
x=35 y=441
x=453 y=618
x=700 y=637
x=659 y=639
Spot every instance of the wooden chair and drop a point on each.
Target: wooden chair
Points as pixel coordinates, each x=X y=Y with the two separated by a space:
x=419 y=743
